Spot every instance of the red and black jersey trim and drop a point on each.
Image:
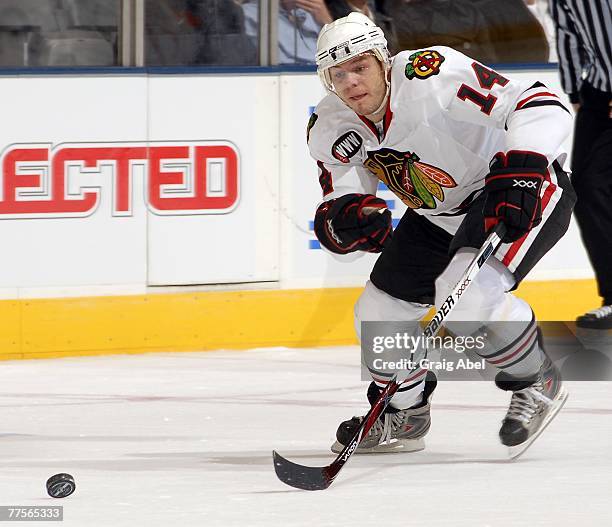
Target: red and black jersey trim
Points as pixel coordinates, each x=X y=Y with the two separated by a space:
x=370 y=125
x=388 y=117
x=555 y=225
x=325 y=179
x=540 y=97
x=534 y=104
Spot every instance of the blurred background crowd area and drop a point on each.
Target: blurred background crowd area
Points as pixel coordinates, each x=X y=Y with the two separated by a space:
x=68 y=33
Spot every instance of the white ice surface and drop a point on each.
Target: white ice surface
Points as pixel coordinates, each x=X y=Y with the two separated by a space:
x=185 y=439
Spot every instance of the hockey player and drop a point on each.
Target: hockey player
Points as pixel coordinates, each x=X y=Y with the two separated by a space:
x=464 y=148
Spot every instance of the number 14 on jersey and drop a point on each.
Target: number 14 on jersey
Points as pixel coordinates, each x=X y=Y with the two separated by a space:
x=487 y=78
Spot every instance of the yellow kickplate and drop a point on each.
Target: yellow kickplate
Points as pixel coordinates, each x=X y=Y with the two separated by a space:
x=45 y=328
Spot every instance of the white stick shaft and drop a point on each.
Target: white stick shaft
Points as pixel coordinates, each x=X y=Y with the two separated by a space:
x=488 y=248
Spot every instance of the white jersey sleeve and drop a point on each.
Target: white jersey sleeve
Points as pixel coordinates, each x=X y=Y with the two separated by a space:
x=333 y=144
x=337 y=149
x=532 y=115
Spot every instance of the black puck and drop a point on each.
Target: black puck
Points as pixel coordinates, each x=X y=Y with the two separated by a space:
x=60 y=485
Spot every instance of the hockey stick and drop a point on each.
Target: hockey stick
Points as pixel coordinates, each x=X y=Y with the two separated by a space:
x=319 y=478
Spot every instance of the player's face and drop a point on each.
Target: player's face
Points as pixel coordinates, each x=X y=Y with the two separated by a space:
x=360 y=83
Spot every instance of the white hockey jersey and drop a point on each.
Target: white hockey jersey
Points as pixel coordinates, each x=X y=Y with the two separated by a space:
x=447 y=116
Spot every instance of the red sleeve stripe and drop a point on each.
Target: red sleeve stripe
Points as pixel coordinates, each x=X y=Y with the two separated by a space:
x=539 y=94
x=325 y=179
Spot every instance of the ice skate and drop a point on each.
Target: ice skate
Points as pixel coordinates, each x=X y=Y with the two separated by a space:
x=600 y=318
x=395 y=430
x=535 y=402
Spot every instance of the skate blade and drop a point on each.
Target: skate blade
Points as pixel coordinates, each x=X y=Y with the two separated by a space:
x=397 y=445
x=515 y=451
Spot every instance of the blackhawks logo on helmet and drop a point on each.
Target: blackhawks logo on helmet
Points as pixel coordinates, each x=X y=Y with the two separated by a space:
x=424 y=64
x=416 y=183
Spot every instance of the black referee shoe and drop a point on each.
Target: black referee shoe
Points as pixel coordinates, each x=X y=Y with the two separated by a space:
x=600 y=318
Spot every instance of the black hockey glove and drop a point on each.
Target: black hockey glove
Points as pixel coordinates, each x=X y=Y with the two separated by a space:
x=513 y=192
x=344 y=224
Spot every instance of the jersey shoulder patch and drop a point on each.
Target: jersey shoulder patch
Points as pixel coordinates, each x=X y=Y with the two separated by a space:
x=346 y=146
x=423 y=64
x=338 y=135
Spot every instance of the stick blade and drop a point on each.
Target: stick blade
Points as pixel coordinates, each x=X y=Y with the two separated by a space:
x=300 y=476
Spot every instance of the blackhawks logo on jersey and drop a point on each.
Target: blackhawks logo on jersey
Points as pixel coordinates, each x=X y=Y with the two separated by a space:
x=424 y=64
x=416 y=183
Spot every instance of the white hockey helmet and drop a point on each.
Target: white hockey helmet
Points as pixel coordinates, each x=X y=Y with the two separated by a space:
x=346 y=38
